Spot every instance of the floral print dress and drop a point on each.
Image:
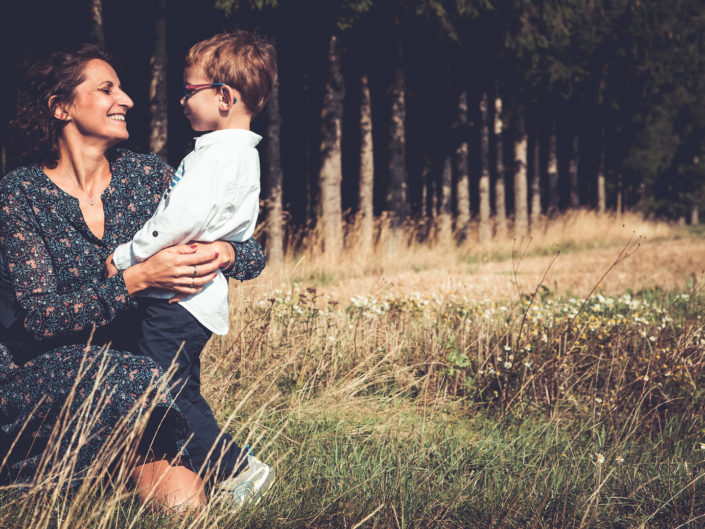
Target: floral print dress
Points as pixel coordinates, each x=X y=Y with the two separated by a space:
x=57 y=269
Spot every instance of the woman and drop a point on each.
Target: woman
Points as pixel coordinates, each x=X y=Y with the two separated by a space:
x=60 y=217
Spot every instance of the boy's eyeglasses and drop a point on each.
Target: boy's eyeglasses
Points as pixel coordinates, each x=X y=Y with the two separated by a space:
x=190 y=89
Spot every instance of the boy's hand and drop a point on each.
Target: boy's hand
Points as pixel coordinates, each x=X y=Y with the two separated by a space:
x=110 y=268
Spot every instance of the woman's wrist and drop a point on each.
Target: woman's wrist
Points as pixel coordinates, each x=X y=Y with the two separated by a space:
x=134 y=279
x=228 y=257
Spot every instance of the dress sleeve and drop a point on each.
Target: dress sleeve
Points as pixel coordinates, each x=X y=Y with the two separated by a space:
x=47 y=312
x=249 y=260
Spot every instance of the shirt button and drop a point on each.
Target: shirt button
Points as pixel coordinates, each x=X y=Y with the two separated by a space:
x=155 y=233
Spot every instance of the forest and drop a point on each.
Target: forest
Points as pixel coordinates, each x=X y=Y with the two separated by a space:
x=474 y=118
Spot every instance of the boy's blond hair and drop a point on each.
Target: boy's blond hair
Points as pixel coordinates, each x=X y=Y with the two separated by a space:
x=240 y=59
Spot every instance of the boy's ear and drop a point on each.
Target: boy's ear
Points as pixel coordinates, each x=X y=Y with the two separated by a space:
x=227 y=98
x=58 y=109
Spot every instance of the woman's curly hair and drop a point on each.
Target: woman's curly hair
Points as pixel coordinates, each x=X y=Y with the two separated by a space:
x=35 y=130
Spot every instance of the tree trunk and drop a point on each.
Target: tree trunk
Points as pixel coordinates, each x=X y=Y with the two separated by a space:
x=275 y=218
x=397 y=191
x=536 y=181
x=445 y=219
x=484 y=183
x=521 y=217
x=601 y=197
x=331 y=172
x=96 y=33
x=694 y=216
x=573 y=172
x=499 y=185
x=552 y=171
x=367 y=168
x=157 y=85
x=463 y=177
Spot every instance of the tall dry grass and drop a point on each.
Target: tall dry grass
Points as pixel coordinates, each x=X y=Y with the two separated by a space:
x=416 y=244
x=393 y=408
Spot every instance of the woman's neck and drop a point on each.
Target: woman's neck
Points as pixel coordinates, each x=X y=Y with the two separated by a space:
x=86 y=165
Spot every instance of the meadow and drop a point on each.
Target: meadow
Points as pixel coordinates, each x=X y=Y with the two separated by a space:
x=553 y=382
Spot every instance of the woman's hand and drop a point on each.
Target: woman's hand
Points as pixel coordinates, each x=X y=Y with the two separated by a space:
x=223 y=249
x=183 y=269
x=110 y=268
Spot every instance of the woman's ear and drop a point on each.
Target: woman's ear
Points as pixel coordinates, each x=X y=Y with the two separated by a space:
x=58 y=109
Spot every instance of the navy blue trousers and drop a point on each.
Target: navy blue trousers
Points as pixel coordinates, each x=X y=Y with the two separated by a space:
x=164 y=328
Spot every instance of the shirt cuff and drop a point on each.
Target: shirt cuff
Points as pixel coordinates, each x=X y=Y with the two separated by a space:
x=114 y=294
x=123 y=257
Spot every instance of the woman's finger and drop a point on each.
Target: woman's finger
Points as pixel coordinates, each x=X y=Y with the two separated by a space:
x=199 y=259
x=196 y=282
x=185 y=249
x=198 y=270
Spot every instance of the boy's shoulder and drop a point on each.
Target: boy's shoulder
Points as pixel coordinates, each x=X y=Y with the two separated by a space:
x=228 y=139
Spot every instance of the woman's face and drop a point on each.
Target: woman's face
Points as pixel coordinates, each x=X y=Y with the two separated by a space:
x=98 y=110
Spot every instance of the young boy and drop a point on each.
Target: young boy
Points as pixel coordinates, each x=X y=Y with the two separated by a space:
x=214 y=195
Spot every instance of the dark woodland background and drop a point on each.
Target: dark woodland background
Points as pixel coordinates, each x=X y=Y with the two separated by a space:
x=602 y=101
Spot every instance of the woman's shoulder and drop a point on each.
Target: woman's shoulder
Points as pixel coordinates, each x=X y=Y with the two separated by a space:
x=20 y=178
x=136 y=161
x=146 y=167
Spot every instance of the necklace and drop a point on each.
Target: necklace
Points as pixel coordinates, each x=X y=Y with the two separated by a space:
x=74 y=181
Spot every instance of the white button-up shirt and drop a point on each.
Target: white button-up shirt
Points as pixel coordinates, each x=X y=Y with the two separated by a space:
x=214 y=195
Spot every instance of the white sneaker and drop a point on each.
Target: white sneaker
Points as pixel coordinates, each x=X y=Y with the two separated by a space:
x=253 y=481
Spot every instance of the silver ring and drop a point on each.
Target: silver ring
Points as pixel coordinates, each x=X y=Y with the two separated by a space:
x=195 y=271
x=193 y=283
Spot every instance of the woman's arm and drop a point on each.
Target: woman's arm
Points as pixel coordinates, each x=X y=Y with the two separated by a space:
x=47 y=312
x=248 y=260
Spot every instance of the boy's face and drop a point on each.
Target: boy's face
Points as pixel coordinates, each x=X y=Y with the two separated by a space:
x=201 y=108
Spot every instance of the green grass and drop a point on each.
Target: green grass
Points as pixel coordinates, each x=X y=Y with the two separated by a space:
x=410 y=412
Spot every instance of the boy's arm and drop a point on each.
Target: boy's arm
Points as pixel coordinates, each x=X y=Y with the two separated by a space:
x=185 y=209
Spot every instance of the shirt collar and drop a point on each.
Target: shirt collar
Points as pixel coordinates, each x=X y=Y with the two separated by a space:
x=242 y=136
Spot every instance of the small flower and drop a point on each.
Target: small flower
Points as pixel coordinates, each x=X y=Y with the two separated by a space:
x=599 y=458
x=619 y=459
x=598 y=400
x=646 y=378
x=702 y=446
x=507 y=365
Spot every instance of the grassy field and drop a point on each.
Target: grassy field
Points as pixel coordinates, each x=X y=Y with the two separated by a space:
x=556 y=382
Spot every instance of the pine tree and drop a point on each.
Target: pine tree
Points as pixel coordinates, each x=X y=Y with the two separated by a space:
x=552 y=171
x=484 y=184
x=367 y=167
x=463 y=177
x=158 y=110
x=521 y=216
x=274 y=201
x=445 y=218
x=499 y=186
x=536 y=180
x=97 y=33
x=397 y=200
x=331 y=173
x=573 y=172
